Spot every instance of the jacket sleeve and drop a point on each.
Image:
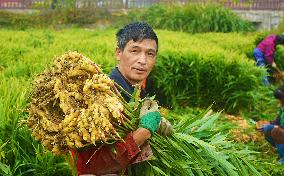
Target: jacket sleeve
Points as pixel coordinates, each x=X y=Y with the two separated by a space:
x=277 y=135
x=104 y=160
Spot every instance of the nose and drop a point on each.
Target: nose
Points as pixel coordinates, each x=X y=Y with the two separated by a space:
x=142 y=59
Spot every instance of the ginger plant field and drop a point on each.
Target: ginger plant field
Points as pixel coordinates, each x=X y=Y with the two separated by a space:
x=211 y=67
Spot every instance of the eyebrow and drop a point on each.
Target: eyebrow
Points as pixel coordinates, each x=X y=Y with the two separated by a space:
x=150 y=49
x=135 y=47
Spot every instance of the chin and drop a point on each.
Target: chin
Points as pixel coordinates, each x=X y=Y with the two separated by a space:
x=139 y=79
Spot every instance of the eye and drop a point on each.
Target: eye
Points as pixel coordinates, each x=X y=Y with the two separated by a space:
x=151 y=54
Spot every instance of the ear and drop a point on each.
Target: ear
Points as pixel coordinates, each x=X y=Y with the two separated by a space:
x=118 y=53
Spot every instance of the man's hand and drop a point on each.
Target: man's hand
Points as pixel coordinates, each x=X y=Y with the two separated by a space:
x=266 y=128
x=165 y=127
x=150 y=116
x=148 y=105
x=274 y=65
x=260 y=123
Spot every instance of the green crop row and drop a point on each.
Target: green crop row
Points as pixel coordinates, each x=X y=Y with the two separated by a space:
x=53 y=18
x=194 y=18
x=192 y=78
x=190 y=18
x=208 y=68
x=20 y=154
x=25 y=53
x=242 y=43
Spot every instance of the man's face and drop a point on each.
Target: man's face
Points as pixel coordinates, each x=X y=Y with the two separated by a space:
x=137 y=59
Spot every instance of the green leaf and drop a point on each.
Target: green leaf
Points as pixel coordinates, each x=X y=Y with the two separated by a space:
x=5 y=169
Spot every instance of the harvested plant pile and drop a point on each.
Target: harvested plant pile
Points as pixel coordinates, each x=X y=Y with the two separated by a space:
x=244 y=131
x=73 y=105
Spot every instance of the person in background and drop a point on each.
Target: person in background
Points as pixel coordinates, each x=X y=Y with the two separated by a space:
x=264 y=53
x=274 y=131
x=136 y=52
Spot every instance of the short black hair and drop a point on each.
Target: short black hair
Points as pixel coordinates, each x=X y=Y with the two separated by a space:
x=279 y=93
x=279 y=39
x=135 y=31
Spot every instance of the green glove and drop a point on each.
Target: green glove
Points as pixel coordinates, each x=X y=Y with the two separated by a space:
x=150 y=121
x=149 y=115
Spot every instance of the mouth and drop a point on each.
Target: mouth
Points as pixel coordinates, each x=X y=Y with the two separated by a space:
x=139 y=70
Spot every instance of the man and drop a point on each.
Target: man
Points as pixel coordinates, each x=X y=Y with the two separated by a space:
x=264 y=53
x=137 y=47
x=136 y=52
x=274 y=131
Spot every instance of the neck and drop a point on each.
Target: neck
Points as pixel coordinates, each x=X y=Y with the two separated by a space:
x=133 y=83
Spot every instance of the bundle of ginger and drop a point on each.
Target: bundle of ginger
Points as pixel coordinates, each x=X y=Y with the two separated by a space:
x=73 y=105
